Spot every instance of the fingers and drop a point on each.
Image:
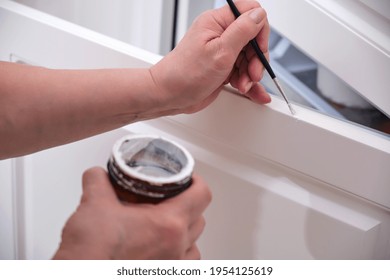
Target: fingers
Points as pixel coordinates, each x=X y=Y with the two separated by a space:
x=194 y=233
x=263 y=37
x=245 y=28
x=192 y=202
x=255 y=69
x=196 y=230
x=225 y=16
x=253 y=23
x=97 y=186
x=258 y=94
x=180 y=220
x=240 y=78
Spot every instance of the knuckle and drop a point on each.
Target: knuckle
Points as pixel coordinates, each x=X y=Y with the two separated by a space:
x=209 y=196
x=201 y=17
x=265 y=13
x=223 y=58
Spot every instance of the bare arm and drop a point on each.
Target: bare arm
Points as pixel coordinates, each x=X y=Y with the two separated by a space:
x=42 y=108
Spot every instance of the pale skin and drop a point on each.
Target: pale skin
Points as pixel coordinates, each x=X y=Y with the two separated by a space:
x=104 y=228
x=46 y=107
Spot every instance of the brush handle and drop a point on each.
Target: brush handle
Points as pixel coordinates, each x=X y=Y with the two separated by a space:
x=253 y=43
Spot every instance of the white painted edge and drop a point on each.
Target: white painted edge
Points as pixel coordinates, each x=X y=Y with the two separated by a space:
x=79 y=31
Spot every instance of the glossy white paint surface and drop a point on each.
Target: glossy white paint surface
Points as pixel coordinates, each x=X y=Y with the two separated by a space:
x=336 y=152
x=346 y=36
x=127 y=21
x=262 y=209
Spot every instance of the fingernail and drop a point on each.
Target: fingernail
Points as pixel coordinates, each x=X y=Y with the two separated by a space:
x=256 y=15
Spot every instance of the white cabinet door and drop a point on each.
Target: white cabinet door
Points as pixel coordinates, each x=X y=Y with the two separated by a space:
x=349 y=37
x=304 y=187
x=7 y=236
x=147 y=24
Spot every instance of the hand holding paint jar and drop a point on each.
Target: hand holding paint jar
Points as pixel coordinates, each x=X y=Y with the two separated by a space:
x=149 y=169
x=142 y=169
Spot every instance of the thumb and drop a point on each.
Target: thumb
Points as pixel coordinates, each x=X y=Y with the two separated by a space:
x=97 y=186
x=246 y=27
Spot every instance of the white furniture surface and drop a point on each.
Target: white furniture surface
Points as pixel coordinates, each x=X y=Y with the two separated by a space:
x=349 y=37
x=146 y=24
x=303 y=187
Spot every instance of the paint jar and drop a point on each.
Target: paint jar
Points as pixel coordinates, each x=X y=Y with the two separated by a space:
x=148 y=168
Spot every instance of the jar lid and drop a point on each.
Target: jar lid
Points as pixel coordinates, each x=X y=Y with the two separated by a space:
x=153 y=159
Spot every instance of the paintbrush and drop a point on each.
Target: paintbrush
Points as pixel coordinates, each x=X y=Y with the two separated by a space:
x=262 y=58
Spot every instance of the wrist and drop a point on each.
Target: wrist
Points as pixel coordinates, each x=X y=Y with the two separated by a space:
x=151 y=100
x=174 y=88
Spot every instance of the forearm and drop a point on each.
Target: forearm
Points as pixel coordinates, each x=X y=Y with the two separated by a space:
x=41 y=108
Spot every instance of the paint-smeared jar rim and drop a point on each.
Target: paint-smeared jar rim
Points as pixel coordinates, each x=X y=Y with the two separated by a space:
x=153 y=159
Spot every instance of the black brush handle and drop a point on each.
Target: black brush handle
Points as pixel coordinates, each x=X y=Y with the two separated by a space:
x=253 y=43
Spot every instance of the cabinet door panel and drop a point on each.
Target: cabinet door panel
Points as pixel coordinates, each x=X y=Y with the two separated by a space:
x=263 y=210
x=35 y=37
x=346 y=36
x=146 y=24
x=51 y=191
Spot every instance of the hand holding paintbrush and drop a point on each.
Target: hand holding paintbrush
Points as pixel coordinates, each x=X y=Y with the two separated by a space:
x=262 y=58
x=215 y=52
